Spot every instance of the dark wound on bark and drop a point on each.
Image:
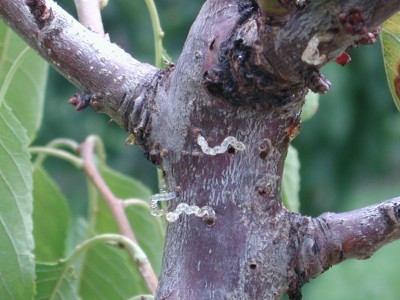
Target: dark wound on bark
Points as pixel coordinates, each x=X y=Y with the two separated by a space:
x=42 y=14
x=237 y=72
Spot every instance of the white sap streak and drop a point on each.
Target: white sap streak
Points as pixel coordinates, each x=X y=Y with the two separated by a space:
x=228 y=141
x=181 y=208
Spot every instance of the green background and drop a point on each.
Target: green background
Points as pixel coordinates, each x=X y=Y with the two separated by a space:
x=349 y=150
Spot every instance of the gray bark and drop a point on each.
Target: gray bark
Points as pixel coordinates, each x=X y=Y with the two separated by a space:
x=244 y=73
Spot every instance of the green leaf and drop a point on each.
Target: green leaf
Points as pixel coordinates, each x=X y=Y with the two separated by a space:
x=56 y=281
x=143 y=223
x=310 y=106
x=60 y=280
x=291 y=180
x=390 y=38
x=123 y=186
x=110 y=270
x=23 y=75
x=109 y=273
x=50 y=218
x=16 y=241
x=78 y=232
x=374 y=278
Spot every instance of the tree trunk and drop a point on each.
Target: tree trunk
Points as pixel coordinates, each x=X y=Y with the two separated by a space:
x=230 y=82
x=243 y=73
x=241 y=255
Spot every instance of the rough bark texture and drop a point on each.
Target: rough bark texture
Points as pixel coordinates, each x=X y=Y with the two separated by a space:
x=244 y=72
x=101 y=69
x=255 y=249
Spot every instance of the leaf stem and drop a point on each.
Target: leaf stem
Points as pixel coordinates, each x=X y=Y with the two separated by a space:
x=158 y=33
x=128 y=244
x=60 y=142
x=76 y=161
x=134 y=201
x=98 y=147
x=93 y=206
x=133 y=249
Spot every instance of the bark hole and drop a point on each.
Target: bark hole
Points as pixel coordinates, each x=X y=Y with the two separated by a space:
x=211 y=47
x=231 y=150
x=262 y=191
x=263 y=154
x=209 y=220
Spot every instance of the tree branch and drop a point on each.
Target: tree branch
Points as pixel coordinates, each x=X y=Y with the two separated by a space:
x=117 y=209
x=89 y=15
x=110 y=78
x=344 y=24
x=331 y=238
x=371 y=228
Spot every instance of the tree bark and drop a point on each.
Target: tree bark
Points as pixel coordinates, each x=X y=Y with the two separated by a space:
x=243 y=73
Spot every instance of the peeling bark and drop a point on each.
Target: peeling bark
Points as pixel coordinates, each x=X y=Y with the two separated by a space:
x=244 y=72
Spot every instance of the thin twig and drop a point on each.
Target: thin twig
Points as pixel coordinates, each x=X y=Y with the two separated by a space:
x=132 y=248
x=89 y=15
x=62 y=154
x=158 y=33
x=116 y=207
x=54 y=144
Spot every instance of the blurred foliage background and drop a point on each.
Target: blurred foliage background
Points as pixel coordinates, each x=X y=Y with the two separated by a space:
x=349 y=151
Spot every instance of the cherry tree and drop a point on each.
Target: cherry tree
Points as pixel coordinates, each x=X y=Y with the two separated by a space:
x=218 y=124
